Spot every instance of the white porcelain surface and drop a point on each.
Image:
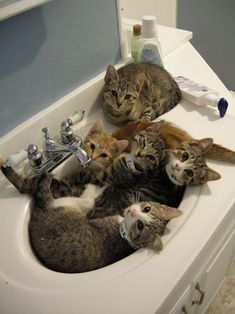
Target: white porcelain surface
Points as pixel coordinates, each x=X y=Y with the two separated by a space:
x=141 y=282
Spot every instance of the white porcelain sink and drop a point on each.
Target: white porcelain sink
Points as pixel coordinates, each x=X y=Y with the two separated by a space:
x=143 y=280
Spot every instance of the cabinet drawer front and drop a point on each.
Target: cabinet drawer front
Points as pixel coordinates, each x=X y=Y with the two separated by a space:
x=217 y=271
x=182 y=303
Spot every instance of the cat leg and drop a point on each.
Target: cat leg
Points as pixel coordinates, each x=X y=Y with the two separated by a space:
x=147 y=114
x=22 y=183
x=90 y=194
x=71 y=203
x=84 y=203
x=92 y=191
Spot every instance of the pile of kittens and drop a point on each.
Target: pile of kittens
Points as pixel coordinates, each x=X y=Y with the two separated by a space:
x=124 y=199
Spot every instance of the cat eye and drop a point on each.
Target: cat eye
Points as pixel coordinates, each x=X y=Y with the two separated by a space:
x=128 y=96
x=103 y=155
x=185 y=156
x=114 y=93
x=150 y=157
x=189 y=172
x=92 y=146
x=146 y=209
x=140 y=225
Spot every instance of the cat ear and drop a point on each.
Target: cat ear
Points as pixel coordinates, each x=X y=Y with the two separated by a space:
x=111 y=74
x=157 y=244
x=120 y=146
x=204 y=144
x=155 y=127
x=209 y=175
x=171 y=212
x=138 y=81
x=96 y=128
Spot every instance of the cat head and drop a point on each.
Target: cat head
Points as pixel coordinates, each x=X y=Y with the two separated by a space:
x=148 y=147
x=101 y=147
x=187 y=164
x=122 y=94
x=145 y=223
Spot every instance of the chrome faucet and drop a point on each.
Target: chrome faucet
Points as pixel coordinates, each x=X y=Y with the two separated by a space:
x=58 y=153
x=54 y=152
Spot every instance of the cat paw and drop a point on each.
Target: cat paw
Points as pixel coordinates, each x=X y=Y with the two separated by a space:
x=92 y=191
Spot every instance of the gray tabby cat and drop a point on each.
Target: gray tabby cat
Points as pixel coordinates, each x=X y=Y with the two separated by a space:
x=64 y=240
x=184 y=165
x=138 y=91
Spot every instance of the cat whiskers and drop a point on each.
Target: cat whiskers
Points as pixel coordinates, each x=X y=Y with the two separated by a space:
x=135 y=197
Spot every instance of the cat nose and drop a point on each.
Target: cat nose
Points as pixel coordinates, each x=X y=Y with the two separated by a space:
x=119 y=103
x=177 y=167
x=133 y=212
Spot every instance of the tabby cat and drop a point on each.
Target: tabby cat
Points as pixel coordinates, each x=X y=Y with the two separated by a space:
x=192 y=165
x=64 y=240
x=138 y=91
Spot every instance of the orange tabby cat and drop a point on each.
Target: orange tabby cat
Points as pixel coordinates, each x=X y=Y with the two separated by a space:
x=101 y=147
x=173 y=136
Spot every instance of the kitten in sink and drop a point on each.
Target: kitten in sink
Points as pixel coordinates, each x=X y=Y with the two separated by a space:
x=64 y=240
x=101 y=147
x=138 y=91
x=172 y=136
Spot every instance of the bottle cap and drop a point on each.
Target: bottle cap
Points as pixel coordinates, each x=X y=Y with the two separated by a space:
x=149 y=28
x=137 y=30
x=222 y=107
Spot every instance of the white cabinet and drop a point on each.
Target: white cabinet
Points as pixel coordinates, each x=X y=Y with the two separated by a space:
x=183 y=302
x=210 y=275
x=214 y=275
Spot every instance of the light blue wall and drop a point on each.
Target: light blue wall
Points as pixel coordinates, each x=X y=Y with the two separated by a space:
x=48 y=51
x=213 y=26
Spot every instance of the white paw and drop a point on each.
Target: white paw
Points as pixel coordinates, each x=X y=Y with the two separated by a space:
x=92 y=191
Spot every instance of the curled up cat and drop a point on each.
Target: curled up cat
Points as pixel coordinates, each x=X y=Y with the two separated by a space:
x=138 y=91
x=64 y=240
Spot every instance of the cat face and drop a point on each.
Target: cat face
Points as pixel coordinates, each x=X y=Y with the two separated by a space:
x=148 y=147
x=122 y=94
x=187 y=165
x=145 y=222
x=101 y=147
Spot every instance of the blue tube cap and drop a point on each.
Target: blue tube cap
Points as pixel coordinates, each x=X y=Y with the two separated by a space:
x=222 y=107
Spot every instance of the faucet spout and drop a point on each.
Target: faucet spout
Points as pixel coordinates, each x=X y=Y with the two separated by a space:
x=77 y=151
x=80 y=154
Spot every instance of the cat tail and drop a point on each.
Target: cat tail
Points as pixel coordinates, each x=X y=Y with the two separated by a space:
x=175 y=98
x=221 y=153
x=129 y=130
x=42 y=196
